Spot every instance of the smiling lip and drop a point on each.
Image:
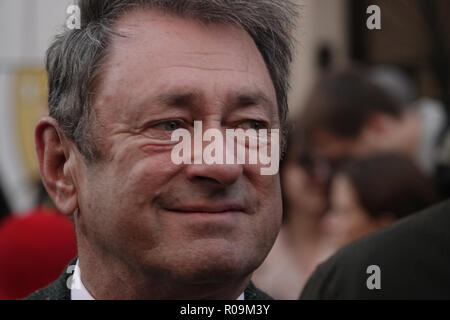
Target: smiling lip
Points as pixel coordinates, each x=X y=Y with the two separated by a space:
x=209 y=209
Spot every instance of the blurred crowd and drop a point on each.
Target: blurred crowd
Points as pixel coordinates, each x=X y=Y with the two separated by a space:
x=365 y=151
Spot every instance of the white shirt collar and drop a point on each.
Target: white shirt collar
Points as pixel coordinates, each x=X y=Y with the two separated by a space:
x=79 y=292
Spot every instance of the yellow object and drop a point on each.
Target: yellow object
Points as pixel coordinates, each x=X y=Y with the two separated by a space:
x=30 y=93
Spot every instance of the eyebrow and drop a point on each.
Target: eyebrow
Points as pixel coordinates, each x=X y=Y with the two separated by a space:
x=189 y=98
x=173 y=97
x=248 y=98
x=178 y=98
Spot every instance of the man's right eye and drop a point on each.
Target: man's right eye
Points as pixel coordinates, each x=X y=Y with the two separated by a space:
x=170 y=125
x=163 y=130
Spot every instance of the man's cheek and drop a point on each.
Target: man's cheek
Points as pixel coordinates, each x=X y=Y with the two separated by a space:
x=148 y=175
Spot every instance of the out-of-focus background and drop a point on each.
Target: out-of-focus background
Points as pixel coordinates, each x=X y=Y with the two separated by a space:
x=342 y=64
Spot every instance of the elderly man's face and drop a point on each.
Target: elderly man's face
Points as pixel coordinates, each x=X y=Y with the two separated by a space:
x=191 y=222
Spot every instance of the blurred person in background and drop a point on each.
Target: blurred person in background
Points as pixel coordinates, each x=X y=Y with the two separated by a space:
x=294 y=255
x=405 y=260
x=35 y=246
x=430 y=113
x=352 y=114
x=365 y=195
x=371 y=193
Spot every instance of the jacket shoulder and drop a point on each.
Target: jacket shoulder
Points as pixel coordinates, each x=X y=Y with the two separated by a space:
x=253 y=293
x=57 y=290
x=399 y=251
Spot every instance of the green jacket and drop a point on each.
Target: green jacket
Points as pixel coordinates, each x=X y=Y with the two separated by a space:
x=58 y=290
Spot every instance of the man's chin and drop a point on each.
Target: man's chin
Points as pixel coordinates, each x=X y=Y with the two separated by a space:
x=213 y=264
x=214 y=274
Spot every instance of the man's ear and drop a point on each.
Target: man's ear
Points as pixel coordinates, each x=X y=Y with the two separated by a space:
x=54 y=156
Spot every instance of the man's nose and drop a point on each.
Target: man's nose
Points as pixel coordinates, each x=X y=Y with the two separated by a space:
x=220 y=174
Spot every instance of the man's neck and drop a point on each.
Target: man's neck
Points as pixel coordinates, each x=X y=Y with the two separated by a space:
x=111 y=279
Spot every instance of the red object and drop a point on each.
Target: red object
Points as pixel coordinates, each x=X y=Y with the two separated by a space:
x=34 y=249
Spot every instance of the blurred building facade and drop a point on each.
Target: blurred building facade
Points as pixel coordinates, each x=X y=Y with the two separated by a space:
x=26 y=28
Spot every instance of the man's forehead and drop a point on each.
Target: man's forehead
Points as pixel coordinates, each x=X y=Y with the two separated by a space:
x=191 y=59
x=178 y=34
x=157 y=46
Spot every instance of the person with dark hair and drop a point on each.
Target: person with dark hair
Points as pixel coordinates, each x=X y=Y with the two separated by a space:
x=405 y=260
x=348 y=115
x=373 y=192
x=119 y=86
x=293 y=256
x=355 y=113
x=35 y=246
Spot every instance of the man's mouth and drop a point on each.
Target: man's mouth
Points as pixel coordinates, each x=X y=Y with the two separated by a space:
x=209 y=208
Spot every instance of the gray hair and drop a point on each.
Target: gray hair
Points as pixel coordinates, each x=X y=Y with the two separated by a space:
x=75 y=57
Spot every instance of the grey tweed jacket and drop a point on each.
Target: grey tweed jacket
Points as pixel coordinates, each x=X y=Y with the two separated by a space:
x=58 y=290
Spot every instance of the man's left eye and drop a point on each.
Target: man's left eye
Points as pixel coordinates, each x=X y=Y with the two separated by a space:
x=168 y=125
x=162 y=130
x=254 y=124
